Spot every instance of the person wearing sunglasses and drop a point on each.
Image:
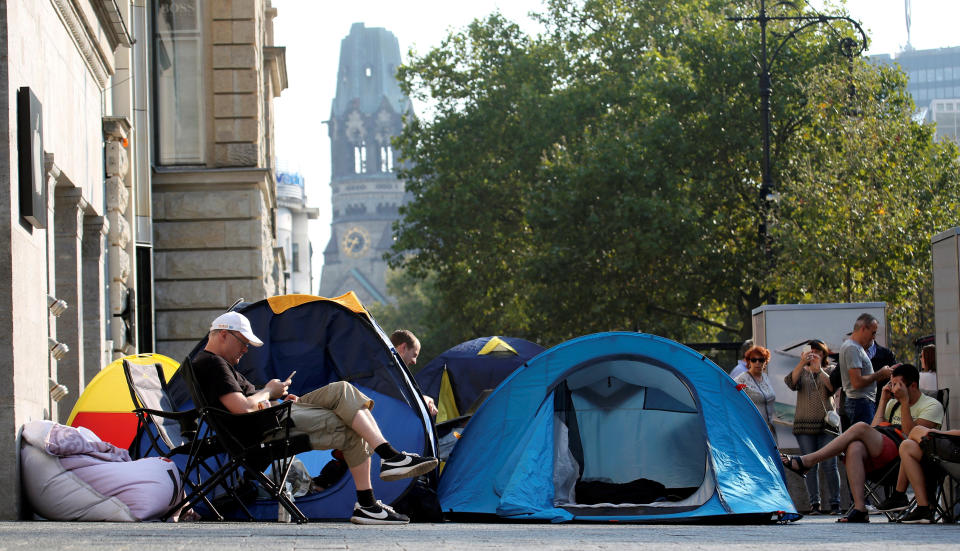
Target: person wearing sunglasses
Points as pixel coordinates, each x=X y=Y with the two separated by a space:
x=811 y=381
x=756 y=383
x=335 y=416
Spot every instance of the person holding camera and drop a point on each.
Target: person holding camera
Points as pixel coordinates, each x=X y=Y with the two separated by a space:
x=816 y=422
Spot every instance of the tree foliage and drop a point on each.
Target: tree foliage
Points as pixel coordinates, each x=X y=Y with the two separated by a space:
x=605 y=174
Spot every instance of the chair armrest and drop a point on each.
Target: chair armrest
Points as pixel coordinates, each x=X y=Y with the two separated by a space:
x=187 y=414
x=250 y=427
x=943 y=447
x=189 y=420
x=943 y=436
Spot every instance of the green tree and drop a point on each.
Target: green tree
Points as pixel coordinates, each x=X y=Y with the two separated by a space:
x=605 y=174
x=866 y=189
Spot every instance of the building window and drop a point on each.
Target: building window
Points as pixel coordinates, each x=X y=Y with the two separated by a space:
x=178 y=80
x=360 y=158
x=386 y=159
x=295 y=262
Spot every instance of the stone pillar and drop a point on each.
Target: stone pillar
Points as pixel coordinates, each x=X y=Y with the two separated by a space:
x=68 y=227
x=52 y=174
x=94 y=306
x=120 y=252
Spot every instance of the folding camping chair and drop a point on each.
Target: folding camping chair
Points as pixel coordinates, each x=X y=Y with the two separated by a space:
x=879 y=484
x=163 y=431
x=941 y=457
x=251 y=441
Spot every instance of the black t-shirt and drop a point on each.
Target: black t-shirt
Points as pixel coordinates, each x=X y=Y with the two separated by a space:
x=216 y=377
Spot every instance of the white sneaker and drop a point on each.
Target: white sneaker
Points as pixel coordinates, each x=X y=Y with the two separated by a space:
x=406 y=465
x=377 y=514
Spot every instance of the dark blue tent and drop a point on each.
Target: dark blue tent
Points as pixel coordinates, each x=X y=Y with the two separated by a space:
x=472 y=367
x=327 y=340
x=617 y=427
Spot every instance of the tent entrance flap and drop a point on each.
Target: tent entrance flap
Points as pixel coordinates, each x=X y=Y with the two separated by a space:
x=628 y=433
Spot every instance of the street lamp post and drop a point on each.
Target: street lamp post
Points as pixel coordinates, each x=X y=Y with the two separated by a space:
x=848 y=46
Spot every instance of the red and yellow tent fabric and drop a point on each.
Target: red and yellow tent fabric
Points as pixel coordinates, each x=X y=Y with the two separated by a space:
x=105 y=407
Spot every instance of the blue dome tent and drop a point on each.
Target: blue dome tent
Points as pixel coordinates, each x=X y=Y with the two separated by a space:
x=327 y=340
x=471 y=367
x=617 y=427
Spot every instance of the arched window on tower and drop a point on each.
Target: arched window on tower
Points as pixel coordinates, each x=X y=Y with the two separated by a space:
x=386 y=158
x=360 y=158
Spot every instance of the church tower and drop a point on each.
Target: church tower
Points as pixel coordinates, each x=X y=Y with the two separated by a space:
x=366 y=194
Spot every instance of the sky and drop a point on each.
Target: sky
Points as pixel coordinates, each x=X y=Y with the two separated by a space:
x=311 y=31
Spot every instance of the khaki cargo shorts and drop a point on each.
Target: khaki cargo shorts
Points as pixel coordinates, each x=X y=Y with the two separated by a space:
x=325 y=416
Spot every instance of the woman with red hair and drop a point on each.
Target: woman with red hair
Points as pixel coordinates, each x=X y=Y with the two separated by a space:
x=757 y=384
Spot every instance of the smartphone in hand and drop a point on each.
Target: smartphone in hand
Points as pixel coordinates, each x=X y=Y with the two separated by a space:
x=290 y=376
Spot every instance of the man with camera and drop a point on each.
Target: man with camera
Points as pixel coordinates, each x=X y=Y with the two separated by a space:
x=874 y=446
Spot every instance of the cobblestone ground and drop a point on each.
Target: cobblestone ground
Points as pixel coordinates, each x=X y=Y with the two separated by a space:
x=817 y=533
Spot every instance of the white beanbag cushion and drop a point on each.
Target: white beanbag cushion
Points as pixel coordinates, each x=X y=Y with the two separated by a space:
x=57 y=494
x=82 y=487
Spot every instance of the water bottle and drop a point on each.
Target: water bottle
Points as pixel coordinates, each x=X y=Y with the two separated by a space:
x=282 y=514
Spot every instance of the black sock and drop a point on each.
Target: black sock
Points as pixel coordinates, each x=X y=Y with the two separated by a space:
x=365 y=498
x=386 y=451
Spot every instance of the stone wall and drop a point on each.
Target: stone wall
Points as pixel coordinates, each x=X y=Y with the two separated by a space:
x=63 y=52
x=210 y=249
x=237 y=83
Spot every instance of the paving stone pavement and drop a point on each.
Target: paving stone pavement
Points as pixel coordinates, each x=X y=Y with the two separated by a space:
x=818 y=533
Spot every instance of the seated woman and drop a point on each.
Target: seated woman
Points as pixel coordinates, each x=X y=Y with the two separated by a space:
x=928 y=368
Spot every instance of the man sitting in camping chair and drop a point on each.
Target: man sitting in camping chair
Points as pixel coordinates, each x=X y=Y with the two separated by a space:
x=334 y=416
x=874 y=446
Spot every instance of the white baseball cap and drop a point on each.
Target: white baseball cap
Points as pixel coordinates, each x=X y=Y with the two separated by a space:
x=235 y=321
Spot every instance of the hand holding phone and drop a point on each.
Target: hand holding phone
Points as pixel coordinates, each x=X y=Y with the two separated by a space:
x=290 y=376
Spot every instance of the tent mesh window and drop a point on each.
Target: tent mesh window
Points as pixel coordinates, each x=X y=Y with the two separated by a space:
x=627 y=433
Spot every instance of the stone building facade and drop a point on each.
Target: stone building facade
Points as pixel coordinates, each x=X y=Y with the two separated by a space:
x=216 y=71
x=138 y=195
x=70 y=175
x=367 y=112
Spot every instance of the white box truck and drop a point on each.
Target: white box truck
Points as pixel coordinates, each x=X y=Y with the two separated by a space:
x=945 y=256
x=784 y=328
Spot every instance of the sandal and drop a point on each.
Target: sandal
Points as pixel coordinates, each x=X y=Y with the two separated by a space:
x=789 y=461
x=855 y=516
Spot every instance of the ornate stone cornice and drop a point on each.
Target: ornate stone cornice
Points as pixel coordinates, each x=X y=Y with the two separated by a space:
x=80 y=31
x=275 y=57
